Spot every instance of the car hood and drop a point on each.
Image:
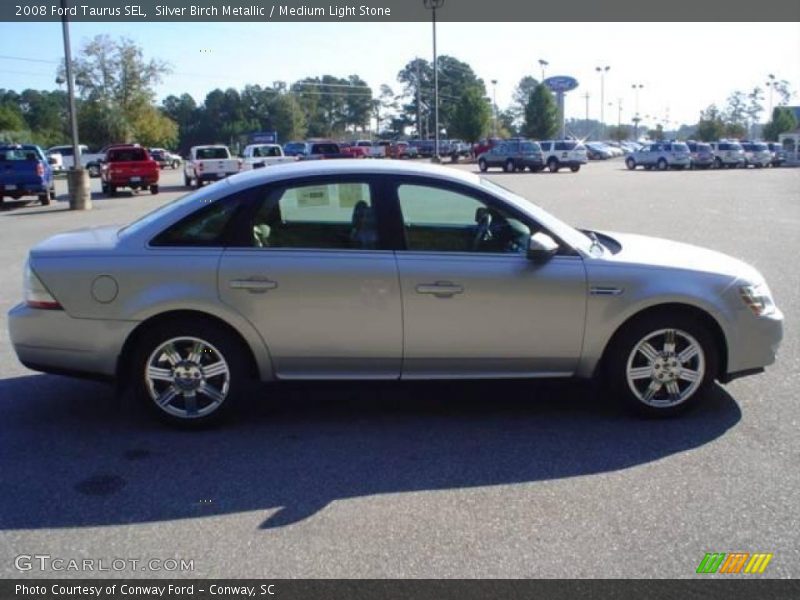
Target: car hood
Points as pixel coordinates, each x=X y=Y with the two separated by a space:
x=661 y=253
x=79 y=241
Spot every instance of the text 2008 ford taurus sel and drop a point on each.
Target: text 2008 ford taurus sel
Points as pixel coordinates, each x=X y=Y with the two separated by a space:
x=365 y=270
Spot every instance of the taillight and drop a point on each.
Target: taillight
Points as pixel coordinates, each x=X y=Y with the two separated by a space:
x=39 y=169
x=35 y=294
x=199 y=166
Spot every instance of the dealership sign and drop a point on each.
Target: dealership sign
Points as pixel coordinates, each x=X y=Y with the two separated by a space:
x=561 y=83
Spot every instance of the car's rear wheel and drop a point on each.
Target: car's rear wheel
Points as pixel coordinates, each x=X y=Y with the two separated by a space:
x=189 y=372
x=630 y=163
x=44 y=199
x=112 y=190
x=552 y=164
x=482 y=165
x=662 y=164
x=718 y=163
x=154 y=189
x=509 y=166
x=661 y=364
x=186 y=181
x=575 y=168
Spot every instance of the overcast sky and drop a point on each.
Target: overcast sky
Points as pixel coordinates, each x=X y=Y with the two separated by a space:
x=684 y=67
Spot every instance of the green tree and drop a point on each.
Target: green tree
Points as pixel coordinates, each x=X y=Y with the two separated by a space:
x=619 y=133
x=521 y=95
x=472 y=116
x=711 y=125
x=117 y=88
x=541 y=114
x=286 y=117
x=11 y=119
x=657 y=133
x=783 y=120
x=155 y=128
x=455 y=78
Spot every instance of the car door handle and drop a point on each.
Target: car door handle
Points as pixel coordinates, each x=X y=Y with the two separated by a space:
x=253 y=284
x=440 y=289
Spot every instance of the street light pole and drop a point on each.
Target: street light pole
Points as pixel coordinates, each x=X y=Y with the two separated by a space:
x=542 y=64
x=602 y=71
x=771 y=86
x=494 y=105
x=636 y=87
x=80 y=197
x=433 y=5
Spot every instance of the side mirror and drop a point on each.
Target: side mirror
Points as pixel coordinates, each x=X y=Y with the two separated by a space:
x=541 y=247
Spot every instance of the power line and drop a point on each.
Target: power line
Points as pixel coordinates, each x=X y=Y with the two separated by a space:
x=26 y=59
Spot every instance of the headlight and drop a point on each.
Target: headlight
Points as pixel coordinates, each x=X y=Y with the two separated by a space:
x=758 y=299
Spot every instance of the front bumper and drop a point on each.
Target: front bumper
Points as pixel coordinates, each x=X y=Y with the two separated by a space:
x=753 y=342
x=52 y=341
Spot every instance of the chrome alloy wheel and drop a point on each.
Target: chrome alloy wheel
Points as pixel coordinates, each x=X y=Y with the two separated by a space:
x=667 y=376
x=187 y=377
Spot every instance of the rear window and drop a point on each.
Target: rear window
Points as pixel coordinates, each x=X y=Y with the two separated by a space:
x=703 y=148
x=126 y=155
x=19 y=154
x=325 y=149
x=212 y=153
x=680 y=147
x=566 y=145
x=759 y=147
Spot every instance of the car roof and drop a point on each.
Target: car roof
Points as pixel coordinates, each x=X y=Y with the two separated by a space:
x=346 y=166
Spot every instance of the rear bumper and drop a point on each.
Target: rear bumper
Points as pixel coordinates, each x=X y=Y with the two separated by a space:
x=52 y=341
x=25 y=189
x=214 y=176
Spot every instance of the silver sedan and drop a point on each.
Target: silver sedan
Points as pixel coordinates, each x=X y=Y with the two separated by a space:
x=383 y=270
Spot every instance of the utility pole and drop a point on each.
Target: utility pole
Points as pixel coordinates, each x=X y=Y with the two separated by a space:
x=586 y=97
x=494 y=105
x=419 y=102
x=80 y=197
x=433 y=5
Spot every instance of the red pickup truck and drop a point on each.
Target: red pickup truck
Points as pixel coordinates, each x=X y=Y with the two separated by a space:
x=128 y=165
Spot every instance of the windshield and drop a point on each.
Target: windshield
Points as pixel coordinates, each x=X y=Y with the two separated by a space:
x=566 y=232
x=680 y=147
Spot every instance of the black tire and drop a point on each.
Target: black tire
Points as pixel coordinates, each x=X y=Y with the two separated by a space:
x=186 y=181
x=718 y=163
x=509 y=166
x=104 y=187
x=154 y=189
x=44 y=199
x=553 y=165
x=662 y=164
x=630 y=163
x=621 y=350
x=220 y=343
x=175 y=164
x=198 y=183
x=112 y=190
x=575 y=168
x=482 y=165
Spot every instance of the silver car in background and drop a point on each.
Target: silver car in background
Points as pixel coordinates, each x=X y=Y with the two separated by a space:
x=661 y=156
x=383 y=270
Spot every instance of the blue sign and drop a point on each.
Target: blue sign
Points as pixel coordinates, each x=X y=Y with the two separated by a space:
x=264 y=137
x=561 y=83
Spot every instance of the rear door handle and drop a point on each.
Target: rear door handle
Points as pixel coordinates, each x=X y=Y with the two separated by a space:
x=440 y=289
x=253 y=284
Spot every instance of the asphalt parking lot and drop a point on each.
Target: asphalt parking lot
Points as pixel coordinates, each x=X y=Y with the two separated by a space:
x=478 y=479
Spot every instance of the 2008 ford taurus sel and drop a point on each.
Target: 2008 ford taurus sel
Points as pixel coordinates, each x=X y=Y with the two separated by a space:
x=374 y=270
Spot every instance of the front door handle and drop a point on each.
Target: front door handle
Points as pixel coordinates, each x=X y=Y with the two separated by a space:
x=440 y=289
x=253 y=284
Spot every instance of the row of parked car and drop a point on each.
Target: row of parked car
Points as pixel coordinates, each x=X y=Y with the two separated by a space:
x=518 y=154
x=729 y=154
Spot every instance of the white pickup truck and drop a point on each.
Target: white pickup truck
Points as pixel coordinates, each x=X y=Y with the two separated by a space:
x=89 y=160
x=209 y=163
x=256 y=156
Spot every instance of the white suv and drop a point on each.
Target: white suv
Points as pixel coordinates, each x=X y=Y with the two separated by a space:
x=757 y=154
x=728 y=154
x=558 y=154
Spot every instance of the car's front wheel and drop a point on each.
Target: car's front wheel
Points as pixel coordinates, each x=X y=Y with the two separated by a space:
x=189 y=372
x=509 y=166
x=661 y=364
x=662 y=164
x=630 y=163
x=482 y=165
